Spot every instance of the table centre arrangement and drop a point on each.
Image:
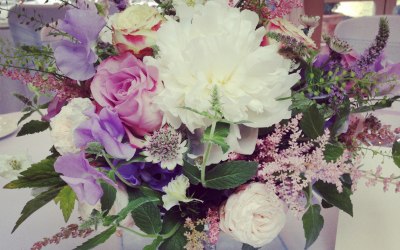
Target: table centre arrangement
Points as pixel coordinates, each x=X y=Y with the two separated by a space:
x=180 y=120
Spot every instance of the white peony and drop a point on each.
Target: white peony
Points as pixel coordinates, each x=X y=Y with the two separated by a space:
x=12 y=165
x=217 y=46
x=176 y=192
x=64 y=124
x=254 y=215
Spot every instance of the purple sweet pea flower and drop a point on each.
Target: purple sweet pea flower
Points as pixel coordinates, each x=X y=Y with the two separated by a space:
x=149 y=173
x=75 y=58
x=81 y=177
x=107 y=129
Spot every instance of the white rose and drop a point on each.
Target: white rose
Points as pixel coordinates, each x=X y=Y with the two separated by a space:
x=12 y=165
x=254 y=216
x=64 y=124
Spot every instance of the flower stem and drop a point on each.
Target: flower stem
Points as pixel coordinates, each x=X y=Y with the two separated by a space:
x=207 y=155
x=137 y=233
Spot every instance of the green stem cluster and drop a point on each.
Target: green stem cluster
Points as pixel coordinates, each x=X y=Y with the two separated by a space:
x=206 y=155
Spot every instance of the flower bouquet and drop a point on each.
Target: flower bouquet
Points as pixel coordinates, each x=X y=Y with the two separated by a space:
x=190 y=118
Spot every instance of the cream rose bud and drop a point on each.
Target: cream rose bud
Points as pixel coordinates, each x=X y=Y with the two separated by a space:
x=254 y=215
x=135 y=29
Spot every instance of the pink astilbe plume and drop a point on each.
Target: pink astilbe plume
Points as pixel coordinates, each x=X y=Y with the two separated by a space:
x=213 y=226
x=63 y=89
x=291 y=169
x=70 y=231
x=270 y=9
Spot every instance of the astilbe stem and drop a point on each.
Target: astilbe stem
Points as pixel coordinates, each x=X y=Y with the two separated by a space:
x=70 y=231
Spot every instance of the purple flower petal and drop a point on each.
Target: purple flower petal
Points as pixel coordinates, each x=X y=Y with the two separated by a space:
x=81 y=177
x=107 y=129
x=75 y=60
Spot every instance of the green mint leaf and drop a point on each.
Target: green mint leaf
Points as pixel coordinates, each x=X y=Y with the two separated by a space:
x=230 y=174
x=25 y=116
x=40 y=174
x=108 y=198
x=333 y=152
x=191 y=172
x=98 y=239
x=312 y=224
x=32 y=127
x=23 y=99
x=147 y=217
x=396 y=153
x=312 y=122
x=219 y=136
x=36 y=203
x=66 y=198
x=153 y=246
x=329 y=193
x=325 y=204
x=176 y=241
x=248 y=247
x=132 y=205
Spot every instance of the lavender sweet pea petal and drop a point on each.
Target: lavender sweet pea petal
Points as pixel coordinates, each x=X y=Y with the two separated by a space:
x=75 y=60
x=105 y=128
x=81 y=177
x=86 y=190
x=112 y=123
x=83 y=25
x=131 y=172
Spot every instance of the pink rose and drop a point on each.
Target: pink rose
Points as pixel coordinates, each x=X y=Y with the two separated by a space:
x=126 y=84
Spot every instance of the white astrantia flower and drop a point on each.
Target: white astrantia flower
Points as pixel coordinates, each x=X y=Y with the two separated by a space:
x=64 y=124
x=12 y=165
x=165 y=146
x=176 y=192
x=217 y=46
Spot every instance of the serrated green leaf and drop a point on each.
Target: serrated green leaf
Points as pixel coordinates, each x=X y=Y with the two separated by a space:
x=36 y=203
x=171 y=219
x=378 y=105
x=312 y=224
x=312 y=123
x=40 y=174
x=23 y=99
x=108 y=198
x=176 y=241
x=248 y=247
x=153 y=246
x=325 y=204
x=333 y=152
x=66 y=198
x=219 y=136
x=329 y=193
x=132 y=205
x=32 y=127
x=191 y=172
x=98 y=239
x=230 y=174
x=396 y=153
x=25 y=116
x=147 y=217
